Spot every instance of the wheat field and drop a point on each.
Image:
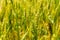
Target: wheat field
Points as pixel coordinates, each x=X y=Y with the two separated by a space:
x=29 y=19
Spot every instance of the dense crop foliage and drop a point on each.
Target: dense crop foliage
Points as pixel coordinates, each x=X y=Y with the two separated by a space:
x=29 y=19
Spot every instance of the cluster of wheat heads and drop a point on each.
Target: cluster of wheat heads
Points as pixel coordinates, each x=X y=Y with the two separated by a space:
x=29 y=19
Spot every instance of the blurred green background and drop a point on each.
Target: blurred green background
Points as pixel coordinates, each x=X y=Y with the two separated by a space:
x=29 y=19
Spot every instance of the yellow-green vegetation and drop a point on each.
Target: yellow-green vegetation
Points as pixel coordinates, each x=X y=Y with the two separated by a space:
x=29 y=19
